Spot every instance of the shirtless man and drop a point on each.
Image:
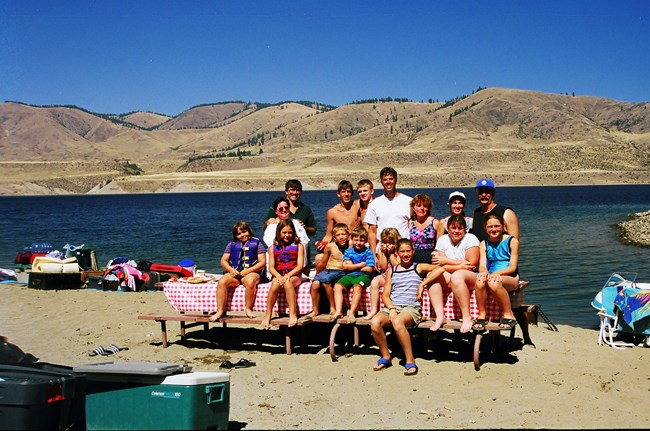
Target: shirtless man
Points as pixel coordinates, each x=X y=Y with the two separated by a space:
x=365 y=190
x=346 y=212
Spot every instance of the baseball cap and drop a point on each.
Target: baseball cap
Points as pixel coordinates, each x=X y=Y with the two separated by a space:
x=485 y=182
x=456 y=194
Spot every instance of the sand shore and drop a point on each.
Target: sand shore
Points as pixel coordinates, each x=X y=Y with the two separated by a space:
x=568 y=381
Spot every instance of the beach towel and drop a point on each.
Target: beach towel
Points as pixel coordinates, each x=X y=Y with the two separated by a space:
x=635 y=306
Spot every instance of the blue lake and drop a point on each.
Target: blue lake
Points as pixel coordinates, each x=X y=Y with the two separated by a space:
x=568 y=237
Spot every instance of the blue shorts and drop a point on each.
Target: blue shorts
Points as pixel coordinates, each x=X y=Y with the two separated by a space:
x=329 y=276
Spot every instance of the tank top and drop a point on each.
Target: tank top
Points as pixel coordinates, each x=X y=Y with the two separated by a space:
x=498 y=257
x=424 y=239
x=404 y=286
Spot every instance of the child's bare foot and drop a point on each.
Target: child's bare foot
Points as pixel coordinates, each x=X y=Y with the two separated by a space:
x=250 y=314
x=266 y=323
x=311 y=315
x=216 y=316
x=335 y=316
x=466 y=326
x=437 y=324
x=292 y=321
x=352 y=318
x=370 y=315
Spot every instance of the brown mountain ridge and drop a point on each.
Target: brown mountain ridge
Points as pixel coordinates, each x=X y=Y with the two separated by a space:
x=514 y=136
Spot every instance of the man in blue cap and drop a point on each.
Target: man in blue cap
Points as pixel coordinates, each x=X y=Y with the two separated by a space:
x=485 y=192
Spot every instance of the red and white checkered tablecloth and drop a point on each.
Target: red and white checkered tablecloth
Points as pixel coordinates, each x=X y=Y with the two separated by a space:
x=202 y=297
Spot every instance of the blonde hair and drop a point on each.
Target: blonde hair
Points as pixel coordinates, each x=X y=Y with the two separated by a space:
x=390 y=235
x=338 y=227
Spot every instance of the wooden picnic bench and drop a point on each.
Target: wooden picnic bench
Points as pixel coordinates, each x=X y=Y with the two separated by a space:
x=196 y=303
x=188 y=320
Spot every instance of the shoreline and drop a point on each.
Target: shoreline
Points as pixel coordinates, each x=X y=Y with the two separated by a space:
x=555 y=385
x=242 y=190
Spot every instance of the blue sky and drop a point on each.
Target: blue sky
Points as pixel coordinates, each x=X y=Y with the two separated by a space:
x=167 y=56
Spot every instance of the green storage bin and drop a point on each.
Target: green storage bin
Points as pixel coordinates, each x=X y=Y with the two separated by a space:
x=153 y=396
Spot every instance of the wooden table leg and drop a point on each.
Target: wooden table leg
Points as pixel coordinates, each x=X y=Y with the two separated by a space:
x=163 y=328
x=287 y=338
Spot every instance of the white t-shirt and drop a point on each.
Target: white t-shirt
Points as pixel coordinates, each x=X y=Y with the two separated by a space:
x=395 y=212
x=456 y=252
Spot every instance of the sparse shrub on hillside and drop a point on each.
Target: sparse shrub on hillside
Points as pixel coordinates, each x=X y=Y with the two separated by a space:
x=131 y=168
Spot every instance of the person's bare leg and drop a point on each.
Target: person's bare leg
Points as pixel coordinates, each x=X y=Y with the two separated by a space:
x=374 y=298
x=315 y=299
x=459 y=286
x=377 y=328
x=290 y=292
x=436 y=299
x=400 y=325
x=329 y=291
x=357 y=293
x=222 y=295
x=250 y=283
x=339 y=291
x=270 y=302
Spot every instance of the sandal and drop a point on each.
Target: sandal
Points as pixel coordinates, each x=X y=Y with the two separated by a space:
x=226 y=364
x=479 y=325
x=114 y=349
x=382 y=364
x=244 y=363
x=507 y=323
x=411 y=369
x=100 y=351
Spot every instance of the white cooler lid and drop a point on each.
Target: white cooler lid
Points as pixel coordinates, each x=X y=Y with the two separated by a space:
x=196 y=378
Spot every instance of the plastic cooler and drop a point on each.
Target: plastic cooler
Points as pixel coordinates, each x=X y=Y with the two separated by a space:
x=41 y=396
x=153 y=396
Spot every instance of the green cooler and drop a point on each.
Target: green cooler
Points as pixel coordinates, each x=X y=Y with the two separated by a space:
x=154 y=396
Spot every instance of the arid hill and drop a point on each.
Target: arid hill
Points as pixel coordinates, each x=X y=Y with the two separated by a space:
x=514 y=136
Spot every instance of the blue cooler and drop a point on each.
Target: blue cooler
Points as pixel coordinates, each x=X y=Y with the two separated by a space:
x=154 y=396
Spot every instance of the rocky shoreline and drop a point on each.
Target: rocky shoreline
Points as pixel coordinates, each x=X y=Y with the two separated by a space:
x=636 y=230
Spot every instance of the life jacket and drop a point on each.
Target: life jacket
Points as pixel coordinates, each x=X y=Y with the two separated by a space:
x=286 y=258
x=244 y=256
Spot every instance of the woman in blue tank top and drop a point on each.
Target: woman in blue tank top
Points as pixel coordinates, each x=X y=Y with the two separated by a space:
x=498 y=271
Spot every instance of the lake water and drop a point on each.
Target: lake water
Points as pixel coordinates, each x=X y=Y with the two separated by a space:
x=568 y=242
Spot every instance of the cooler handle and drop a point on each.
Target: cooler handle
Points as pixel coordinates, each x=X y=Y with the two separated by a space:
x=215 y=393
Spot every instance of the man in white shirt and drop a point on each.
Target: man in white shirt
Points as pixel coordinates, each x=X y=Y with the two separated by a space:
x=391 y=209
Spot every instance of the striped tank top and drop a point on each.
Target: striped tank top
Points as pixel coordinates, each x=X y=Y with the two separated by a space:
x=404 y=286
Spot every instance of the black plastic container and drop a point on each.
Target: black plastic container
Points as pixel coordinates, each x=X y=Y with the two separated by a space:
x=54 y=280
x=42 y=396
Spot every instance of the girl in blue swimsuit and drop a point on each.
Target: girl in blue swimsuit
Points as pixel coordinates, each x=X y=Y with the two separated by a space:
x=498 y=271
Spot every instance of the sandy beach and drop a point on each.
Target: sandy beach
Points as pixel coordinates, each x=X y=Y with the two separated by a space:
x=567 y=381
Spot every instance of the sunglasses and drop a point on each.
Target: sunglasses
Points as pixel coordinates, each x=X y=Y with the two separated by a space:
x=283 y=208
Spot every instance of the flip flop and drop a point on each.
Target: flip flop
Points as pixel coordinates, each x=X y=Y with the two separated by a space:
x=226 y=364
x=114 y=349
x=410 y=369
x=100 y=351
x=507 y=323
x=479 y=325
x=382 y=364
x=244 y=363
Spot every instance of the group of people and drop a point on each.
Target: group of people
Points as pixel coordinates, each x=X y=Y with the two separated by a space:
x=390 y=244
